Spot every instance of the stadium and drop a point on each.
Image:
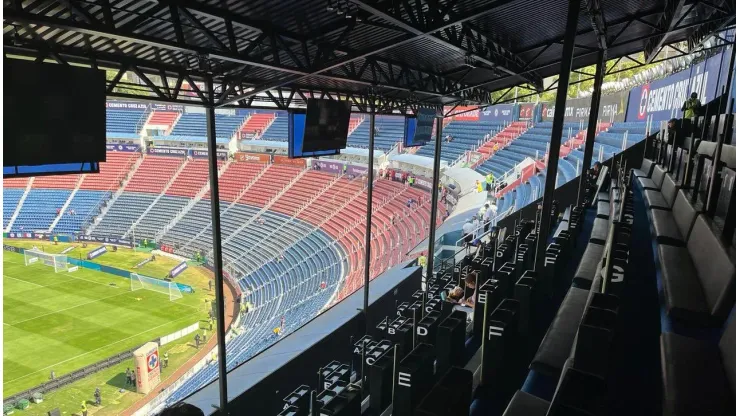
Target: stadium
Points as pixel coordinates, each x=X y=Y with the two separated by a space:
x=202 y=246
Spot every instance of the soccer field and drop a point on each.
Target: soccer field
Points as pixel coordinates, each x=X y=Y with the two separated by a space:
x=65 y=321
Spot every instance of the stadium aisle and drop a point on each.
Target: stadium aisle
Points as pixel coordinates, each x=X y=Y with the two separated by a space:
x=493 y=401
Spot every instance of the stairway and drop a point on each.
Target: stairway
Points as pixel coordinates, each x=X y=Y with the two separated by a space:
x=190 y=203
x=159 y=196
x=301 y=209
x=114 y=198
x=231 y=205
x=66 y=204
x=265 y=208
x=20 y=205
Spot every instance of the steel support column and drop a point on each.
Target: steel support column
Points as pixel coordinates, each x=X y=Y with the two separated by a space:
x=593 y=120
x=217 y=259
x=435 y=197
x=571 y=26
x=369 y=223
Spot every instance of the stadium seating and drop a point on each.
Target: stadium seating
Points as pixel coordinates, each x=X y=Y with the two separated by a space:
x=278 y=130
x=11 y=198
x=236 y=177
x=163 y=118
x=192 y=178
x=40 y=209
x=257 y=123
x=83 y=207
x=192 y=127
x=112 y=171
x=270 y=184
x=389 y=131
x=153 y=174
x=122 y=214
x=124 y=124
x=466 y=136
x=55 y=182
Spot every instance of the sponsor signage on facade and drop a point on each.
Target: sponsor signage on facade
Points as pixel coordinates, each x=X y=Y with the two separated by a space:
x=126 y=105
x=499 y=112
x=612 y=107
x=121 y=147
x=526 y=111
x=285 y=160
x=664 y=98
x=252 y=157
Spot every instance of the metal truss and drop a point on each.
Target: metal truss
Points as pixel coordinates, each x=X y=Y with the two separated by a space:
x=668 y=20
x=714 y=19
x=463 y=37
x=611 y=69
x=173 y=85
x=188 y=40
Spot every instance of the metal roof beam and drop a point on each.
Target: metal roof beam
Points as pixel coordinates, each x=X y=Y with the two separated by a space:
x=711 y=28
x=598 y=22
x=483 y=49
x=390 y=44
x=668 y=20
x=115 y=34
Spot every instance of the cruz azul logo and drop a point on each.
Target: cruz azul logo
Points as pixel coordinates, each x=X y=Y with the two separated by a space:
x=152 y=361
x=644 y=95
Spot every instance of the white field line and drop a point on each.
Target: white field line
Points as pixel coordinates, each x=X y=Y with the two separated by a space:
x=96 y=349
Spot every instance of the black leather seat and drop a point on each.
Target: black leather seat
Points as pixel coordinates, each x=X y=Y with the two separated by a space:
x=654 y=181
x=525 y=404
x=602 y=209
x=588 y=265
x=699 y=279
x=557 y=342
x=664 y=198
x=645 y=170
x=698 y=377
x=600 y=231
x=672 y=227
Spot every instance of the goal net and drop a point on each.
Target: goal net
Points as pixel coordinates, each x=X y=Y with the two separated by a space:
x=57 y=261
x=156 y=285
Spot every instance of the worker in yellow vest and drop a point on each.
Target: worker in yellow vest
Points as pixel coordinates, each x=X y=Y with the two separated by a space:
x=691 y=106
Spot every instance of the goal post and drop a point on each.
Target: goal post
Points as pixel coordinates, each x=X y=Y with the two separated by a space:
x=170 y=289
x=57 y=261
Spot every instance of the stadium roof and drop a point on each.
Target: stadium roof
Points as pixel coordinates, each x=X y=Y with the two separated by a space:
x=397 y=54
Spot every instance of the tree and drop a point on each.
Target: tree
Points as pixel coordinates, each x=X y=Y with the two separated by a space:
x=125 y=86
x=620 y=69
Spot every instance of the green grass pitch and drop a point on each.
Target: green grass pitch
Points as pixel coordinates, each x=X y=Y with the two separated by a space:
x=65 y=321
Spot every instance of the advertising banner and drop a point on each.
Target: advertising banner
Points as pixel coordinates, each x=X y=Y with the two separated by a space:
x=146 y=360
x=167 y=151
x=12 y=249
x=178 y=269
x=329 y=166
x=579 y=109
x=285 y=160
x=121 y=147
x=167 y=107
x=202 y=154
x=664 y=98
x=252 y=157
x=126 y=105
x=500 y=112
x=472 y=112
x=355 y=170
x=423 y=183
x=526 y=111
x=107 y=240
x=97 y=252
